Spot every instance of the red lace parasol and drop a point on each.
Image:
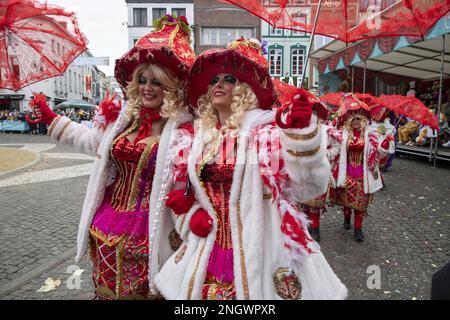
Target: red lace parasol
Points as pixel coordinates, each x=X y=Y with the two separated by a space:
x=350 y=20
x=37 y=41
x=410 y=107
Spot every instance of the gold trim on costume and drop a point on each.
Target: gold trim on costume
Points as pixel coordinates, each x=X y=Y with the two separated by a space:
x=182 y=222
x=267 y=196
x=53 y=125
x=62 y=130
x=296 y=136
x=241 y=250
x=119 y=266
x=191 y=282
x=172 y=35
x=142 y=161
x=303 y=153
x=104 y=237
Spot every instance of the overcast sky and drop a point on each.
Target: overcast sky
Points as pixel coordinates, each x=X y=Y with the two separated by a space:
x=101 y=22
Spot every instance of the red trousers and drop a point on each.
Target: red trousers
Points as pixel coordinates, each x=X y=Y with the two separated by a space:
x=358 y=216
x=313 y=215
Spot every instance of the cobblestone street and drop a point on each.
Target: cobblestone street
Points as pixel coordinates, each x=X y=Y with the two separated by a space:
x=407 y=231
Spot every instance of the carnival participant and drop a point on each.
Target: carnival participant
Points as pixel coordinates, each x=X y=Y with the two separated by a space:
x=133 y=169
x=357 y=174
x=331 y=140
x=245 y=237
x=382 y=124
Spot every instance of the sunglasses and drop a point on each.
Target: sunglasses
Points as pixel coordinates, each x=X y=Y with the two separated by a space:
x=143 y=81
x=228 y=79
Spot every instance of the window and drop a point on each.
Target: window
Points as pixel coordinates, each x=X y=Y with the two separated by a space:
x=270 y=3
x=70 y=80
x=140 y=17
x=275 y=32
x=275 y=61
x=299 y=2
x=158 y=13
x=80 y=84
x=75 y=89
x=223 y=36
x=302 y=19
x=179 y=12
x=297 y=56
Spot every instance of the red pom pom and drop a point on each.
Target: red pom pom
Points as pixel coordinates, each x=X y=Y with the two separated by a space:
x=201 y=223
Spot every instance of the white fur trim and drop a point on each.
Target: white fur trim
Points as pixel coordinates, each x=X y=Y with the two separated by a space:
x=260 y=237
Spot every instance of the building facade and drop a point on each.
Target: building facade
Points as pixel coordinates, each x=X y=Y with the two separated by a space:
x=217 y=24
x=142 y=13
x=80 y=82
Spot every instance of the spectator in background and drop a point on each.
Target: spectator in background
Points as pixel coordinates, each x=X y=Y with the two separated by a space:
x=406 y=132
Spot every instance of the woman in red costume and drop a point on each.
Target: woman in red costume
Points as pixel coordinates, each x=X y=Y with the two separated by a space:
x=331 y=142
x=245 y=238
x=133 y=169
x=357 y=175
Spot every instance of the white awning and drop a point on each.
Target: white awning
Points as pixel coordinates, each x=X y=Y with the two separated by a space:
x=421 y=60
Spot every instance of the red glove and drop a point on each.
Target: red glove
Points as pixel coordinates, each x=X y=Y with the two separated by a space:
x=299 y=114
x=43 y=112
x=385 y=143
x=201 y=223
x=179 y=202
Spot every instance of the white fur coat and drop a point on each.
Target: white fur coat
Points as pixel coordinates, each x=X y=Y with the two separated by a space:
x=97 y=142
x=372 y=178
x=255 y=224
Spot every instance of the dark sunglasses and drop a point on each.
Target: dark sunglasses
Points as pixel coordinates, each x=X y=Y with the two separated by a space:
x=228 y=79
x=143 y=80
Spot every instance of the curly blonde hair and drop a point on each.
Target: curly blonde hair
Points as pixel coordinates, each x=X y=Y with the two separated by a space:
x=174 y=102
x=244 y=99
x=348 y=124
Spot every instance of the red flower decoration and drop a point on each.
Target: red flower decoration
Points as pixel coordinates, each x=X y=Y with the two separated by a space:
x=183 y=18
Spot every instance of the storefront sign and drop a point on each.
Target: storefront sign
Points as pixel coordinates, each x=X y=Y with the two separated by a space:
x=12 y=96
x=91 y=61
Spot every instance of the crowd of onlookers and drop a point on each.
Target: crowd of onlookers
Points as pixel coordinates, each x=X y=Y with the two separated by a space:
x=412 y=133
x=77 y=115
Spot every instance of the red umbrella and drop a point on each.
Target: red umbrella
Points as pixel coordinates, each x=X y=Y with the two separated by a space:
x=335 y=98
x=350 y=20
x=410 y=107
x=37 y=41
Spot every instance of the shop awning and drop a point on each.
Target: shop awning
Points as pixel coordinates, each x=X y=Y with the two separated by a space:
x=76 y=104
x=405 y=56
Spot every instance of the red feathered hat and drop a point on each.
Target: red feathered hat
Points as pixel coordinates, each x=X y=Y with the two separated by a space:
x=243 y=59
x=350 y=105
x=167 y=45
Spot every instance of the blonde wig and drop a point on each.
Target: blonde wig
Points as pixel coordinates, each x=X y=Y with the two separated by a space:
x=348 y=124
x=244 y=99
x=174 y=102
